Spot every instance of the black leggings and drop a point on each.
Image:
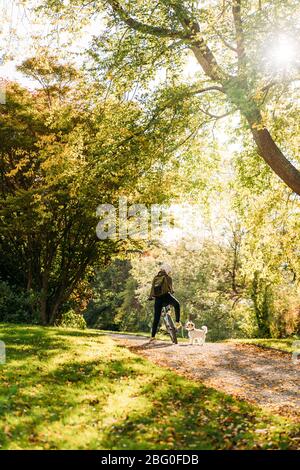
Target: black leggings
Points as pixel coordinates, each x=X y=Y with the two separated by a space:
x=160 y=302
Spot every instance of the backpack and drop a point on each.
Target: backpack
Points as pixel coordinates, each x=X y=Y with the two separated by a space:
x=160 y=285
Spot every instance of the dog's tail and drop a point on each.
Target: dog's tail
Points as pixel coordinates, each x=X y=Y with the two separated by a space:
x=204 y=328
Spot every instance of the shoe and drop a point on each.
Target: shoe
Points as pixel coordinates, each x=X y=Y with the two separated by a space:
x=151 y=340
x=178 y=325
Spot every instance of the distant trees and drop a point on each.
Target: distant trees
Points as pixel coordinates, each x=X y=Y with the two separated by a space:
x=108 y=287
x=262 y=307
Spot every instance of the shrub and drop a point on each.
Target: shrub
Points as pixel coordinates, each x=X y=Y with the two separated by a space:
x=71 y=319
x=17 y=306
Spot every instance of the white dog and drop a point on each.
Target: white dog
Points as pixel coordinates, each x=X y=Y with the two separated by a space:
x=195 y=334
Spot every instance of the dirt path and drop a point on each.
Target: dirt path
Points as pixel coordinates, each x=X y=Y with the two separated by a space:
x=265 y=377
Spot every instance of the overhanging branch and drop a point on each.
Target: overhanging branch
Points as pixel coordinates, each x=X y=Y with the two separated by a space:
x=210 y=88
x=215 y=116
x=240 y=40
x=199 y=46
x=142 y=27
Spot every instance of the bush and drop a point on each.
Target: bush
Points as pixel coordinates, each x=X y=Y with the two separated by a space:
x=71 y=319
x=17 y=306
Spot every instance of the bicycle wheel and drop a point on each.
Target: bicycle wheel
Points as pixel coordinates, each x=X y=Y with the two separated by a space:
x=170 y=327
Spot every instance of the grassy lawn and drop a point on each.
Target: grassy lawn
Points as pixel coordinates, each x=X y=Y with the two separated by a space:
x=286 y=344
x=70 y=389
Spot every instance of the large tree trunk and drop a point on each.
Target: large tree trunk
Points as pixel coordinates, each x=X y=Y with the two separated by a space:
x=275 y=159
x=44 y=298
x=238 y=95
x=55 y=310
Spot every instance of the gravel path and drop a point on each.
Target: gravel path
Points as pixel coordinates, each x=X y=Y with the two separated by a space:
x=267 y=378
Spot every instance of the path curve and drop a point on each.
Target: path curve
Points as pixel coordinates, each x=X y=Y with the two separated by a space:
x=267 y=378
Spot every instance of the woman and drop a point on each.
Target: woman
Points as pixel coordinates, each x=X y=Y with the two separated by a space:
x=161 y=291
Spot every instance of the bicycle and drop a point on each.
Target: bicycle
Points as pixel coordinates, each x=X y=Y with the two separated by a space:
x=169 y=324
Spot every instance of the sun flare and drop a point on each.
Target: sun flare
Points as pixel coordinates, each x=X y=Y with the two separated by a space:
x=283 y=52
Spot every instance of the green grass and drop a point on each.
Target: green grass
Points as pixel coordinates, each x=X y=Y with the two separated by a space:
x=71 y=389
x=287 y=344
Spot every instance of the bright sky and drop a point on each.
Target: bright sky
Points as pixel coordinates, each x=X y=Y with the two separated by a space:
x=22 y=32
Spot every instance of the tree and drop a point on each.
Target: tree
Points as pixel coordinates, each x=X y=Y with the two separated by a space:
x=108 y=286
x=60 y=159
x=228 y=40
x=238 y=87
x=47 y=205
x=55 y=78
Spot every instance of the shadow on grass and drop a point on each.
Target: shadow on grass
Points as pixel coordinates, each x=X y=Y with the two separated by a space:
x=191 y=416
x=62 y=394
x=36 y=340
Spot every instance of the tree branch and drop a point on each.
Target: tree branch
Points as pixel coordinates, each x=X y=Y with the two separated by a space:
x=142 y=27
x=224 y=41
x=215 y=116
x=210 y=88
x=240 y=40
x=191 y=34
x=201 y=50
